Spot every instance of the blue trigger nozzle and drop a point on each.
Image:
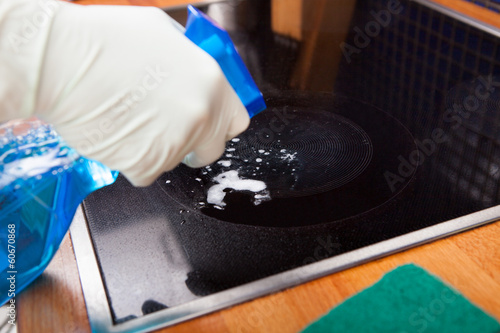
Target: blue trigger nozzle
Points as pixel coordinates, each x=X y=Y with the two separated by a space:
x=214 y=40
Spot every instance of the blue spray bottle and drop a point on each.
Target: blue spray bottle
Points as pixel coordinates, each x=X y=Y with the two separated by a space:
x=42 y=180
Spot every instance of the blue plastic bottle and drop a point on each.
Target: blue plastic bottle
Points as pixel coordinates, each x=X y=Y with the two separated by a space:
x=42 y=180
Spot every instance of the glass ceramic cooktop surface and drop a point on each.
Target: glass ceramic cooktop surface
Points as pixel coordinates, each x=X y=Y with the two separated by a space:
x=382 y=120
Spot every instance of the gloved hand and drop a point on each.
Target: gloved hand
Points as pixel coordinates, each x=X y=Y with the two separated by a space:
x=122 y=85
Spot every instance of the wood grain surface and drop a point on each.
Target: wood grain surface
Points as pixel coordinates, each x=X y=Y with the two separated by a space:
x=470 y=262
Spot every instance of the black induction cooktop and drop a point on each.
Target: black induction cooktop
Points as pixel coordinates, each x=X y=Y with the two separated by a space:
x=381 y=133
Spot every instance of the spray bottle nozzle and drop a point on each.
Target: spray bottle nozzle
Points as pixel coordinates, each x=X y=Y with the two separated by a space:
x=214 y=40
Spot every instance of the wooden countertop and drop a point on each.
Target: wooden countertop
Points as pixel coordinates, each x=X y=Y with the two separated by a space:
x=470 y=262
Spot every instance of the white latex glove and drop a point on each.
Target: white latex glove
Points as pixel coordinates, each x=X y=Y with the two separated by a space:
x=122 y=85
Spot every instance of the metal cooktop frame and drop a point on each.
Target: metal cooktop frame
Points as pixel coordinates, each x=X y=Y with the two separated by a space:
x=100 y=315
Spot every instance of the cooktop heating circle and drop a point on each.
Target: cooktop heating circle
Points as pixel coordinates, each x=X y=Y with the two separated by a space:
x=317 y=152
x=302 y=162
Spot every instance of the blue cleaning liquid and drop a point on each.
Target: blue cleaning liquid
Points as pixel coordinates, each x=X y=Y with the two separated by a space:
x=42 y=182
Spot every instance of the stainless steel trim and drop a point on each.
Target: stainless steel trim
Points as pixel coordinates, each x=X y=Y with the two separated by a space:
x=100 y=316
x=460 y=17
x=92 y=285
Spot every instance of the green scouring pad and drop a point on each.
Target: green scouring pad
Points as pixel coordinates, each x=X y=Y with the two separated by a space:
x=406 y=300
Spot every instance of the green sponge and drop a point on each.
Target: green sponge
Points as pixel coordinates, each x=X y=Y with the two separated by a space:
x=406 y=300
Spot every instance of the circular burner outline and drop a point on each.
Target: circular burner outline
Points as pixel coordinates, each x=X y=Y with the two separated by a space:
x=341 y=139
x=335 y=103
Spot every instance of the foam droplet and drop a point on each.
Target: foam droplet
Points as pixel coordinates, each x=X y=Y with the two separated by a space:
x=224 y=163
x=231 y=180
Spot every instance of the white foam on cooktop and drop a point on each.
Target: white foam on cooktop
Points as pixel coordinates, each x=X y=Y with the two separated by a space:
x=288 y=156
x=224 y=163
x=231 y=180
